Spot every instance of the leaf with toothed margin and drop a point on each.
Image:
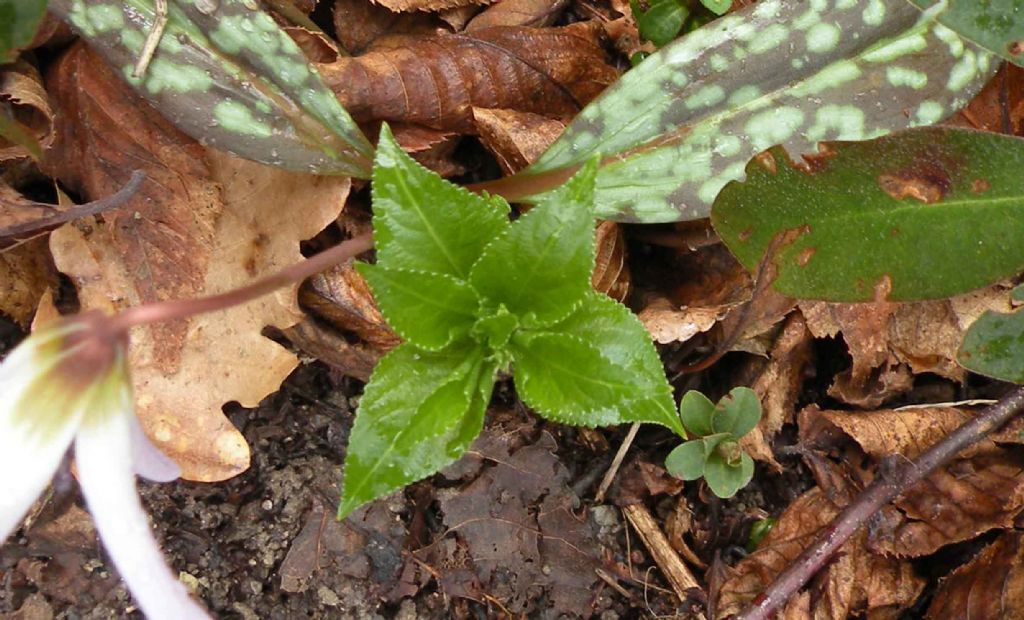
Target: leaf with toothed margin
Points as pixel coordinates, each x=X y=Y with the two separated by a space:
x=922 y=214
x=996 y=25
x=227 y=75
x=683 y=123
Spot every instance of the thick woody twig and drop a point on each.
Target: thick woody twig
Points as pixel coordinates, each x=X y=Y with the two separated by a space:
x=883 y=490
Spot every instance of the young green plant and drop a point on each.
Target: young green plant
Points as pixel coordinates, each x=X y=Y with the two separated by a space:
x=473 y=294
x=714 y=452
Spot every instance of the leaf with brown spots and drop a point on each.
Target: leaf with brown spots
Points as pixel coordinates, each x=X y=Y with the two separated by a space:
x=899 y=218
x=437 y=81
x=202 y=223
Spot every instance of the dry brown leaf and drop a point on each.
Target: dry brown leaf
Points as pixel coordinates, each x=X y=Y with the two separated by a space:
x=428 y=5
x=342 y=297
x=437 y=81
x=532 y=13
x=432 y=148
x=26 y=272
x=359 y=23
x=982 y=489
x=989 y=587
x=779 y=384
x=22 y=87
x=667 y=322
x=325 y=344
x=203 y=222
x=516 y=139
x=458 y=17
x=856 y=582
x=317 y=46
x=611 y=274
x=999 y=107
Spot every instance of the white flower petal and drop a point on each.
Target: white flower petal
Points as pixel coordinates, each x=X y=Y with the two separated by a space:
x=148 y=461
x=103 y=453
x=30 y=452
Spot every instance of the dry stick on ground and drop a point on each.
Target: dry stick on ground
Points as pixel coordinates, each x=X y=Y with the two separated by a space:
x=885 y=488
x=616 y=463
x=677 y=573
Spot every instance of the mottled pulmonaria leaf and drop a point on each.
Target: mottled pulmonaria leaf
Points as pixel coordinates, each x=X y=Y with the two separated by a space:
x=923 y=214
x=227 y=75
x=996 y=25
x=684 y=123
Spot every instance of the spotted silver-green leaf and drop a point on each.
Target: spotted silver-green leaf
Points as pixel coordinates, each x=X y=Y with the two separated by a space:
x=996 y=25
x=683 y=123
x=227 y=75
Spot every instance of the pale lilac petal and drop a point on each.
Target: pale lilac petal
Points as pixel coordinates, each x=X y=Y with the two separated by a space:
x=103 y=452
x=148 y=461
x=34 y=435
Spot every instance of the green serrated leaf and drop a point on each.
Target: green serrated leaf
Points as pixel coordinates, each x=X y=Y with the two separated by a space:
x=661 y=22
x=738 y=412
x=718 y=7
x=994 y=346
x=622 y=338
x=697 y=412
x=725 y=480
x=568 y=380
x=18 y=22
x=430 y=310
x=683 y=123
x=686 y=461
x=423 y=222
x=230 y=77
x=996 y=25
x=925 y=214
x=418 y=414
x=540 y=268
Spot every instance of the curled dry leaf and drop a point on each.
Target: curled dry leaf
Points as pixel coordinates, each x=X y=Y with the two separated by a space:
x=22 y=89
x=342 y=297
x=668 y=322
x=325 y=344
x=516 y=139
x=437 y=81
x=980 y=490
x=202 y=223
x=856 y=583
x=532 y=13
x=989 y=587
x=611 y=273
x=359 y=23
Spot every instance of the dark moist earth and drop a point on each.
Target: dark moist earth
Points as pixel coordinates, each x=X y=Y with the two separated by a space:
x=502 y=533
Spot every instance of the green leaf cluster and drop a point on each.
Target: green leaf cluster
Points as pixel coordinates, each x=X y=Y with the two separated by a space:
x=472 y=294
x=714 y=452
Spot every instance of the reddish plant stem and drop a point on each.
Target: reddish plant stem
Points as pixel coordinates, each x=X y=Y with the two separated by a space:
x=883 y=490
x=182 y=308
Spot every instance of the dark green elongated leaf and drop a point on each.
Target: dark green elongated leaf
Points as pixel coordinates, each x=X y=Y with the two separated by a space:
x=683 y=123
x=686 y=461
x=18 y=22
x=739 y=412
x=994 y=346
x=423 y=222
x=227 y=75
x=419 y=413
x=697 y=413
x=622 y=338
x=566 y=379
x=540 y=268
x=724 y=479
x=924 y=214
x=996 y=25
x=430 y=310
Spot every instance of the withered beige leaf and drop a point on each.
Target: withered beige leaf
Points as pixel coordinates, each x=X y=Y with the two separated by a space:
x=856 y=582
x=516 y=139
x=532 y=13
x=980 y=490
x=989 y=587
x=26 y=272
x=22 y=88
x=437 y=81
x=359 y=23
x=428 y=5
x=203 y=222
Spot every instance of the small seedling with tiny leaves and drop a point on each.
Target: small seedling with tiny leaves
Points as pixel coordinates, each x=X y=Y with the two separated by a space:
x=714 y=452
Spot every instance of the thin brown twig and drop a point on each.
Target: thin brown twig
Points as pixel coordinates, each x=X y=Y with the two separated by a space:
x=156 y=32
x=613 y=469
x=883 y=490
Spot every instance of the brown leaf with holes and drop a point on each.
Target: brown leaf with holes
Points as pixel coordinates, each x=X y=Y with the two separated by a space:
x=21 y=88
x=856 y=583
x=359 y=23
x=436 y=81
x=203 y=222
x=989 y=587
x=532 y=13
x=516 y=139
x=980 y=490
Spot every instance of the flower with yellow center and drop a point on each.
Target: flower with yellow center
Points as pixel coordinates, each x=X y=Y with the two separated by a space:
x=68 y=384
